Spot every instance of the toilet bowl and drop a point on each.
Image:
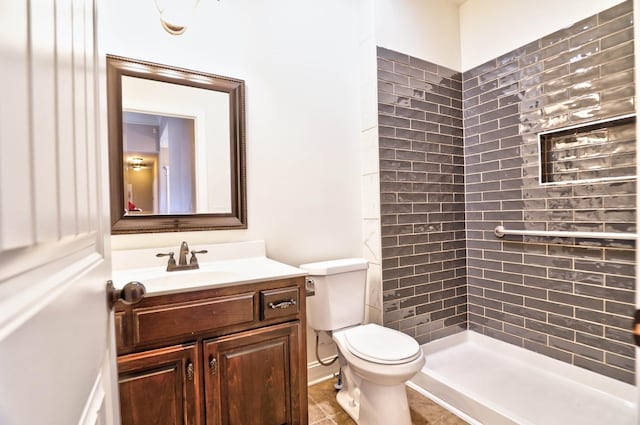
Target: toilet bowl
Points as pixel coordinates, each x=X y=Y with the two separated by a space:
x=375 y=361
x=380 y=354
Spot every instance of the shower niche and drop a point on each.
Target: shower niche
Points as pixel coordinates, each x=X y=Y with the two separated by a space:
x=595 y=151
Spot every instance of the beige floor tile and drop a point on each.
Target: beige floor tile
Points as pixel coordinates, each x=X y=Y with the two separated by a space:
x=343 y=418
x=325 y=421
x=315 y=413
x=451 y=420
x=325 y=410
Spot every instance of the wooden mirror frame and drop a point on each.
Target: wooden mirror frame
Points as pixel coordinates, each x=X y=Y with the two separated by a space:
x=117 y=67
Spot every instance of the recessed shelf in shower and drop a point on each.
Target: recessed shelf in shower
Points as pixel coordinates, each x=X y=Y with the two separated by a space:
x=602 y=150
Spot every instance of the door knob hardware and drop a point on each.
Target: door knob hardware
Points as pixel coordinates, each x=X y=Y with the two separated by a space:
x=131 y=293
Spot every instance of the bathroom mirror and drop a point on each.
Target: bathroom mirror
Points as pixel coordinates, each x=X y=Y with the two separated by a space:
x=176 y=148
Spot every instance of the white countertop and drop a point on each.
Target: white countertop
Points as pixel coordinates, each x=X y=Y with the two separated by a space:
x=223 y=265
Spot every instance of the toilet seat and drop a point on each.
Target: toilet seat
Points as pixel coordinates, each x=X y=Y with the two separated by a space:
x=382 y=345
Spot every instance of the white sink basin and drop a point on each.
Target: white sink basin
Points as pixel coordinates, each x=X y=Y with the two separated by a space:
x=226 y=272
x=158 y=277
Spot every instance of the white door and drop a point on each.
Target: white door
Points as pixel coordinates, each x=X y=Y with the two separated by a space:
x=636 y=16
x=55 y=363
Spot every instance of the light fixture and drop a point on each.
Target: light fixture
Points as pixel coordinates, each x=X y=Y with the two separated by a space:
x=136 y=164
x=175 y=15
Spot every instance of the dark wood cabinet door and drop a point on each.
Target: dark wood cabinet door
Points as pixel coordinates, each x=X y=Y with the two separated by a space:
x=252 y=378
x=160 y=387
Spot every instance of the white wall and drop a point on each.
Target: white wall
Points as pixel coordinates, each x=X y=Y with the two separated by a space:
x=426 y=29
x=299 y=60
x=489 y=28
x=462 y=34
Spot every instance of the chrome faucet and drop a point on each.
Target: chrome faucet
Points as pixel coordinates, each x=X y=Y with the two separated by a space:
x=182 y=259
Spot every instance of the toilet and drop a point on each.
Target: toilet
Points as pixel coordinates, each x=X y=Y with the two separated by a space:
x=375 y=361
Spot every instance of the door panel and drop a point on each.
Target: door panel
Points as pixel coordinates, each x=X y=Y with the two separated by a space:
x=14 y=82
x=52 y=353
x=55 y=363
x=249 y=379
x=266 y=364
x=160 y=386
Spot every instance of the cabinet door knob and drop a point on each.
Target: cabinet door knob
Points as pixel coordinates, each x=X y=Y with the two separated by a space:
x=190 y=371
x=213 y=365
x=131 y=293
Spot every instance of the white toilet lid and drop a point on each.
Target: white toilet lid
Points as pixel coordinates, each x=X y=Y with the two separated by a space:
x=378 y=344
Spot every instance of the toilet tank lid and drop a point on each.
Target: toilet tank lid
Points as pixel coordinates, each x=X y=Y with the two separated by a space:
x=342 y=265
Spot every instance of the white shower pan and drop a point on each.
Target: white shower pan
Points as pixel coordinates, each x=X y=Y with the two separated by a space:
x=487 y=381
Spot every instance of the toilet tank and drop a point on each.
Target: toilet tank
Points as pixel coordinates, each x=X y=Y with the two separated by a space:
x=339 y=298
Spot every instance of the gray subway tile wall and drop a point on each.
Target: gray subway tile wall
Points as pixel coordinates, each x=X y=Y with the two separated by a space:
x=566 y=304
x=422 y=196
x=443 y=268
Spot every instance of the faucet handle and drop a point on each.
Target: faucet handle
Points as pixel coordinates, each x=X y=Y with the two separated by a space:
x=171 y=262
x=193 y=259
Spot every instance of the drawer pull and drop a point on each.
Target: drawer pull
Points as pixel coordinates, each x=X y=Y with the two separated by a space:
x=282 y=304
x=213 y=365
x=190 y=371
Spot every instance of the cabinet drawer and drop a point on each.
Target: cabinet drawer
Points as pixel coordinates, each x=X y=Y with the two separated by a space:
x=154 y=323
x=279 y=302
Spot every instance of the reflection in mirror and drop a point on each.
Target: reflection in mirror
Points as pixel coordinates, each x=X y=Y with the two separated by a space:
x=159 y=161
x=176 y=148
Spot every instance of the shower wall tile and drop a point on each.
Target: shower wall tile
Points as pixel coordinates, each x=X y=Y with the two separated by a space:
x=568 y=298
x=369 y=175
x=422 y=196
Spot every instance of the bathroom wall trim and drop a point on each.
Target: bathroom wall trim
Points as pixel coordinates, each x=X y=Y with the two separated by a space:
x=318 y=373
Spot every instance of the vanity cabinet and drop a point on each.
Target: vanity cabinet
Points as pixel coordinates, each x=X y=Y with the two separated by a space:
x=233 y=355
x=160 y=386
x=248 y=379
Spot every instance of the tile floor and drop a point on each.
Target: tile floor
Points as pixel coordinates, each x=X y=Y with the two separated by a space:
x=324 y=409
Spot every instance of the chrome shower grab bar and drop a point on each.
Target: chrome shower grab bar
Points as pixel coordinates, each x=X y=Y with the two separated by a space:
x=500 y=231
